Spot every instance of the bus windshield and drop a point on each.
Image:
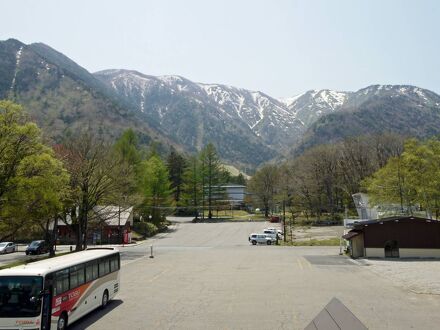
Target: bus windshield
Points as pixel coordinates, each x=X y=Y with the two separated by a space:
x=19 y=296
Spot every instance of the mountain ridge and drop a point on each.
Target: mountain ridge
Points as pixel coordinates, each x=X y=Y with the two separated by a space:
x=248 y=127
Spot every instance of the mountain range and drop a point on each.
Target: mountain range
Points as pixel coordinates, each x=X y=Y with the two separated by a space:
x=247 y=127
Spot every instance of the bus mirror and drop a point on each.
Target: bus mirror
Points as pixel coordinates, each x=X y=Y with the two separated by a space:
x=34 y=299
x=43 y=292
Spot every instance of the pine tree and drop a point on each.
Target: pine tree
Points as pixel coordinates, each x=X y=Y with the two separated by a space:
x=192 y=187
x=211 y=172
x=156 y=189
x=176 y=165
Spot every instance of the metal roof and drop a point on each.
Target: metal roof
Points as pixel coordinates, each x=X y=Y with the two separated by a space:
x=114 y=215
x=111 y=215
x=350 y=234
x=359 y=225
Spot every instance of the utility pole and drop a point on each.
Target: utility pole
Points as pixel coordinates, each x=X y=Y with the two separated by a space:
x=203 y=189
x=195 y=191
x=119 y=224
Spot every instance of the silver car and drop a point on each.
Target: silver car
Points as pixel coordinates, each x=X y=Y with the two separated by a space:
x=261 y=239
x=7 y=247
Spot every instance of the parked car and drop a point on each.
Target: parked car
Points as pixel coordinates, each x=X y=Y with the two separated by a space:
x=261 y=239
x=275 y=219
x=7 y=247
x=37 y=247
x=271 y=233
x=279 y=231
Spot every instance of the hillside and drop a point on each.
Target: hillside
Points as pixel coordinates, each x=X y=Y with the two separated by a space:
x=405 y=110
x=63 y=97
x=245 y=126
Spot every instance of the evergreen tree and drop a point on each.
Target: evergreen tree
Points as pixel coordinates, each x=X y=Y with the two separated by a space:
x=176 y=165
x=156 y=189
x=211 y=172
x=192 y=187
x=128 y=147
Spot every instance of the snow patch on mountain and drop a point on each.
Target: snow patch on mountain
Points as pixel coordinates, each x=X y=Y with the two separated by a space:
x=17 y=64
x=288 y=101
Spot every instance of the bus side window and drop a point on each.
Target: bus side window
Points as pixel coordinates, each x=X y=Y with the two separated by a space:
x=76 y=276
x=81 y=277
x=95 y=270
x=91 y=271
x=104 y=266
x=114 y=263
x=61 y=282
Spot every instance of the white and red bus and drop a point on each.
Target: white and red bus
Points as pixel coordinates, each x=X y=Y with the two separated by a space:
x=52 y=293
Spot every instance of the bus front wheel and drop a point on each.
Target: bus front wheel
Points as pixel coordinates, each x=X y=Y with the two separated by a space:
x=62 y=322
x=104 y=299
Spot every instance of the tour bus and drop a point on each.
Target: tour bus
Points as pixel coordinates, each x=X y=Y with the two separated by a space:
x=52 y=293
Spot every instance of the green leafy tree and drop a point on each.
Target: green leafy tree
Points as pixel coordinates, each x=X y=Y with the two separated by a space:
x=263 y=186
x=410 y=179
x=41 y=191
x=156 y=189
x=422 y=161
x=390 y=184
x=33 y=184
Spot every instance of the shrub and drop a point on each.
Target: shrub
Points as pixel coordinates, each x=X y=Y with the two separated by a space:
x=146 y=229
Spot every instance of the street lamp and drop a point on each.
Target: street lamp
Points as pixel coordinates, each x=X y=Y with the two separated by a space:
x=284 y=220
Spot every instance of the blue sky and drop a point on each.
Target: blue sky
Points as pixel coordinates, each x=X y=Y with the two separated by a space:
x=281 y=47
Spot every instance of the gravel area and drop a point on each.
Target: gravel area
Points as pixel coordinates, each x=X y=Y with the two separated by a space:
x=415 y=275
x=319 y=233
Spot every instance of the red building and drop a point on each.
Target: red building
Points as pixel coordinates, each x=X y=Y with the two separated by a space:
x=107 y=225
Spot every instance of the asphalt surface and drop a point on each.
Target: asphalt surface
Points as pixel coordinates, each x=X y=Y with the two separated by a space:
x=207 y=276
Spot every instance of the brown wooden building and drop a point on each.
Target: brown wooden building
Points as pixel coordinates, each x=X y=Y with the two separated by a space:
x=395 y=237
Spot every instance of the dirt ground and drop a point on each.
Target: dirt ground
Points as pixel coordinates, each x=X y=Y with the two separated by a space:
x=318 y=233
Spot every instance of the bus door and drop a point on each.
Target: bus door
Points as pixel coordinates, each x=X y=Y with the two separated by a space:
x=47 y=303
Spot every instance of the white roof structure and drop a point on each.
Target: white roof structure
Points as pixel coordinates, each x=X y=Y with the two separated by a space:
x=112 y=215
x=53 y=264
x=115 y=215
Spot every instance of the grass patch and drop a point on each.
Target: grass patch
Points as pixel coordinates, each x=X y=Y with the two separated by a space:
x=28 y=261
x=314 y=242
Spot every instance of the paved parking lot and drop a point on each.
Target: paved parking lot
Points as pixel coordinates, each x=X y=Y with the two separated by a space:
x=207 y=276
x=417 y=275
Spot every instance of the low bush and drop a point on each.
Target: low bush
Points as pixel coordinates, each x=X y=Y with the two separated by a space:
x=146 y=229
